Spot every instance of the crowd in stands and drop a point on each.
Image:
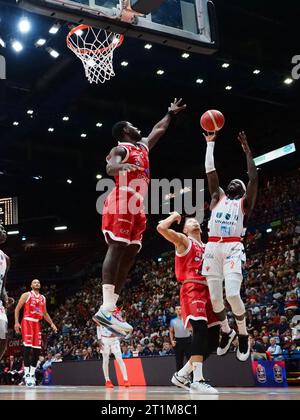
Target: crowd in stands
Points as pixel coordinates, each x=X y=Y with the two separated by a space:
x=271 y=292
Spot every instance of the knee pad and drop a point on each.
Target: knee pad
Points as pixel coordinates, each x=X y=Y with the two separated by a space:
x=237 y=305
x=200 y=338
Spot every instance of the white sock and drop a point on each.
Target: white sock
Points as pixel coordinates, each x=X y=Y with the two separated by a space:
x=26 y=370
x=197 y=371
x=242 y=326
x=186 y=370
x=105 y=363
x=123 y=368
x=32 y=370
x=108 y=297
x=225 y=326
x=116 y=297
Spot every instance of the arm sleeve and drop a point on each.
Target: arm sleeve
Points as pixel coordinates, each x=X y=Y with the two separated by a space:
x=209 y=157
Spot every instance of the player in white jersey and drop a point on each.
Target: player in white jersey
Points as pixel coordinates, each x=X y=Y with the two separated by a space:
x=5 y=301
x=224 y=253
x=110 y=343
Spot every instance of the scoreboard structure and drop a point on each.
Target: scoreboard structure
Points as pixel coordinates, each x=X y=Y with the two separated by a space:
x=9 y=211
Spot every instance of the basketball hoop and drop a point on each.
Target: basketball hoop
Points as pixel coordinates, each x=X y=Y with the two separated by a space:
x=95 y=48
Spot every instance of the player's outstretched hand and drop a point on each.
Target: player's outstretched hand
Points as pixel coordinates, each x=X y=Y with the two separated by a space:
x=176 y=106
x=210 y=136
x=242 y=138
x=54 y=328
x=17 y=328
x=177 y=216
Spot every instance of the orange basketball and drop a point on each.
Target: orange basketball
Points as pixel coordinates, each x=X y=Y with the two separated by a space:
x=212 y=120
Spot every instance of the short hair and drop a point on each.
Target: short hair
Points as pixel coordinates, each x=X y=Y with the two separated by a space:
x=118 y=130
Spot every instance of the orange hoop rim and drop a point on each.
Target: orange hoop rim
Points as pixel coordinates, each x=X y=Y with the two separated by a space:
x=87 y=51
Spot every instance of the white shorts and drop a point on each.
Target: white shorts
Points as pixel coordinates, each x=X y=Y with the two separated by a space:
x=223 y=258
x=3 y=322
x=111 y=345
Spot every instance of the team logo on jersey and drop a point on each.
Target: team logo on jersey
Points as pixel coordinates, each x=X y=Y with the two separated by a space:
x=219 y=215
x=197 y=259
x=227 y=216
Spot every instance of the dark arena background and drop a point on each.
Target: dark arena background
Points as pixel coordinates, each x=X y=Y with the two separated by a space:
x=55 y=135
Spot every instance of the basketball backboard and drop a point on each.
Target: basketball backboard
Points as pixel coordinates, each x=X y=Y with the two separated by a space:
x=185 y=24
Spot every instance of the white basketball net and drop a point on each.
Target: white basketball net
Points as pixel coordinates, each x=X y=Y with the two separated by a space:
x=95 y=48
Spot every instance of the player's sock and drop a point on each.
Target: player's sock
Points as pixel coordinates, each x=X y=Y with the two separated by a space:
x=32 y=371
x=186 y=370
x=197 y=372
x=108 y=297
x=242 y=326
x=123 y=368
x=26 y=370
x=116 y=297
x=225 y=326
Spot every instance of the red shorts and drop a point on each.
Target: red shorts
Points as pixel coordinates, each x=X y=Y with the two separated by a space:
x=31 y=334
x=120 y=223
x=196 y=304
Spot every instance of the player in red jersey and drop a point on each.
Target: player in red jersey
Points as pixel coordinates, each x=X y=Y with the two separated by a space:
x=124 y=220
x=195 y=302
x=34 y=311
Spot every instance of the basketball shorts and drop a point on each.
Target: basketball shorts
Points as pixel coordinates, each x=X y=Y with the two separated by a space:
x=111 y=345
x=31 y=333
x=121 y=222
x=3 y=322
x=222 y=259
x=196 y=304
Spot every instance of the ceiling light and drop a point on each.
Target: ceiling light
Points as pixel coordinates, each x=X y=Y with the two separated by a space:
x=99 y=124
x=60 y=228
x=24 y=25
x=69 y=181
x=2 y=43
x=160 y=72
x=51 y=129
x=199 y=81
x=17 y=46
x=228 y=87
x=288 y=81
x=225 y=65
x=15 y=123
x=30 y=112
x=148 y=46
x=53 y=53
x=99 y=176
x=185 y=55
x=23 y=238
x=83 y=135
x=124 y=63
x=256 y=71
x=40 y=42
x=66 y=118
x=54 y=29
x=13 y=232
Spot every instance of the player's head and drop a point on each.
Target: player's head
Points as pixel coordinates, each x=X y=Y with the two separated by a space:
x=178 y=310
x=236 y=189
x=125 y=131
x=3 y=234
x=191 y=225
x=35 y=284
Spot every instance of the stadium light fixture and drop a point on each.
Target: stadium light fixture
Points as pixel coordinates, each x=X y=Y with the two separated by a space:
x=17 y=46
x=24 y=25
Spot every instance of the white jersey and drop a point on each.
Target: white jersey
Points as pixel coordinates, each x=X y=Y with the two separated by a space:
x=227 y=218
x=3 y=267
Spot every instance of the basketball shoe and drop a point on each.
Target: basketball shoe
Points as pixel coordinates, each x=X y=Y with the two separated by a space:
x=113 y=320
x=108 y=384
x=225 y=343
x=202 y=387
x=243 y=351
x=181 y=381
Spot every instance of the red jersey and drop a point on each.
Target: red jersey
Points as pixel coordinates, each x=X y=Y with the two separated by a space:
x=188 y=266
x=34 y=307
x=135 y=181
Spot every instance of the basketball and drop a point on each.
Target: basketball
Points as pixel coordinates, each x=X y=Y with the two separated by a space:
x=212 y=120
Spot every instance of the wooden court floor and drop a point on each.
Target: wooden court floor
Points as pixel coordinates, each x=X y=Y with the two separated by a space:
x=142 y=393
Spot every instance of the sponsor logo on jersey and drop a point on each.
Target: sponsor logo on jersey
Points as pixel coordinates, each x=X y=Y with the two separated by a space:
x=227 y=216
